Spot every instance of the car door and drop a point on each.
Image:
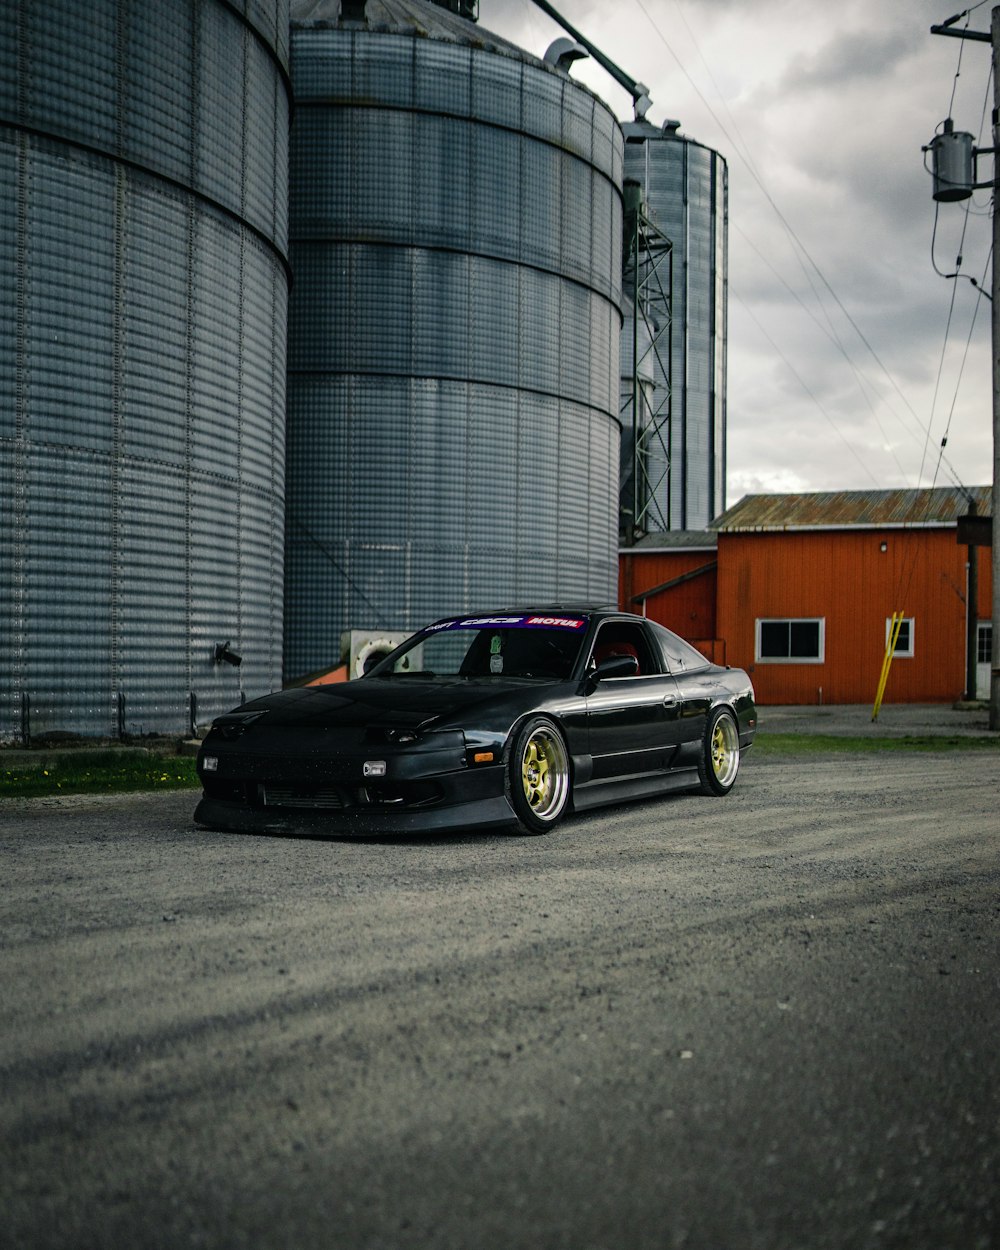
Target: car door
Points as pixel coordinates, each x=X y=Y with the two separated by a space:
x=694 y=685
x=633 y=722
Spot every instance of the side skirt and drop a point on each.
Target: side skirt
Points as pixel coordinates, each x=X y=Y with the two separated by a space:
x=644 y=786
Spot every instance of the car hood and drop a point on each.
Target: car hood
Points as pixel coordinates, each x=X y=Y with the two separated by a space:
x=400 y=703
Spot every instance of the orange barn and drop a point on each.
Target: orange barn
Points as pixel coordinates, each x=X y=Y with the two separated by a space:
x=800 y=591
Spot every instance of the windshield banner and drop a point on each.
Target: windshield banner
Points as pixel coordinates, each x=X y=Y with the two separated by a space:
x=509 y=622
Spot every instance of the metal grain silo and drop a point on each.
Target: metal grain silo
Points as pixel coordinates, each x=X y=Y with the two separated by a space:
x=454 y=326
x=684 y=192
x=143 y=270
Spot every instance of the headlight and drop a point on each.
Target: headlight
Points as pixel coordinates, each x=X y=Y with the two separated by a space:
x=234 y=723
x=401 y=736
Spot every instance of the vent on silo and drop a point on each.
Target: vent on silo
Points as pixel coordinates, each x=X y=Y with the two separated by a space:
x=467 y=9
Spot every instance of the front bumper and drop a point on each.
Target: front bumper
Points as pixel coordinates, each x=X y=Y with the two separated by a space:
x=358 y=822
x=427 y=787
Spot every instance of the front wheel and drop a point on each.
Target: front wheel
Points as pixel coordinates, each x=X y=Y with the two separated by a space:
x=720 y=758
x=538 y=775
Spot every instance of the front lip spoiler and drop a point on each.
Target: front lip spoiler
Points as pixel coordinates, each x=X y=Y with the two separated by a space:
x=366 y=822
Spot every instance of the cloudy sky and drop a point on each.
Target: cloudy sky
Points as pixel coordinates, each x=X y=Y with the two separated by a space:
x=849 y=358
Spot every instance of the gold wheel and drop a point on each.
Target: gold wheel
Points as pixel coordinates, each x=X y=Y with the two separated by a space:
x=541 y=775
x=721 y=761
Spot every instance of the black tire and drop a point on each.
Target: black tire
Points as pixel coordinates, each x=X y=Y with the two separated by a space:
x=720 y=756
x=538 y=775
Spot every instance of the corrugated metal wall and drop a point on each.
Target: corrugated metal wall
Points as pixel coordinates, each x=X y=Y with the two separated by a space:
x=454 y=328
x=143 y=236
x=685 y=189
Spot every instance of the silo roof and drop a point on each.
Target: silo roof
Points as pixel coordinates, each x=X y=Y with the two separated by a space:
x=854 y=509
x=415 y=18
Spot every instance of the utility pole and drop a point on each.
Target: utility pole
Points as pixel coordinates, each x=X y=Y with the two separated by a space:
x=993 y=38
x=995 y=322
x=971 y=613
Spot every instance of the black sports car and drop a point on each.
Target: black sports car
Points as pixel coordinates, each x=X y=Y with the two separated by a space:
x=509 y=718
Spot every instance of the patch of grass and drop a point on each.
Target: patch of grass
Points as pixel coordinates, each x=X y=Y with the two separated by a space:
x=815 y=744
x=122 y=771
x=98 y=772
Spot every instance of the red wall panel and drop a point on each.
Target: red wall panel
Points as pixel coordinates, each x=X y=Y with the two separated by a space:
x=846 y=578
x=688 y=609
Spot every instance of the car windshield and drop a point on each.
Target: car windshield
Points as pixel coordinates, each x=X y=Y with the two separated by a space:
x=527 y=647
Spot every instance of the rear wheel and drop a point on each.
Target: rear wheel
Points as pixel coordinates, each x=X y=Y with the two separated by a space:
x=538 y=775
x=720 y=758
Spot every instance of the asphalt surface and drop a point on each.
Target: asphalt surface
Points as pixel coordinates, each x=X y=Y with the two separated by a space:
x=766 y=1021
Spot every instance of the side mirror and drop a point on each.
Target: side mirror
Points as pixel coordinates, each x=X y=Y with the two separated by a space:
x=616 y=666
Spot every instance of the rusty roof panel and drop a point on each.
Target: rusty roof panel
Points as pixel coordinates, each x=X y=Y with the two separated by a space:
x=674 y=540
x=849 y=509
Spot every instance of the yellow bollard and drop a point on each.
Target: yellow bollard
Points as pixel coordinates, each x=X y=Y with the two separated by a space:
x=895 y=625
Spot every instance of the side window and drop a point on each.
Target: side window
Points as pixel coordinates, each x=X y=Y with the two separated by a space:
x=678 y=656
x=796 y=640
x=619 y=638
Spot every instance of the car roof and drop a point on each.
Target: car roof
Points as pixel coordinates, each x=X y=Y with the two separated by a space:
x=538 y=609
x=589 y=610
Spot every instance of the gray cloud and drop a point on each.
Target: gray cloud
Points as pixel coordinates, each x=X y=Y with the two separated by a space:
x=852 y=58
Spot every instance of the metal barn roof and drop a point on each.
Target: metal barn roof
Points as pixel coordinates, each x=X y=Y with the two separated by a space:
x=854 y=509
x=674 y=540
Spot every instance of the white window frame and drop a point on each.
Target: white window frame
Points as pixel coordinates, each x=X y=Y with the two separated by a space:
x=790 y=659
x=901 y=653
x=984 y=633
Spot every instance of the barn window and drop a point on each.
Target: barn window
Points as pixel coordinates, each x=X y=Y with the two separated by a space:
x=791 y=641
x=904 y=643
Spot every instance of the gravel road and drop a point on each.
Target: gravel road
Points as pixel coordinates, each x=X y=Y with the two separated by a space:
x=764 y=1021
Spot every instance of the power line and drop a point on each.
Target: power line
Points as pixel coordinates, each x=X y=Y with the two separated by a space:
x=802 y=253
x=814 y=276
